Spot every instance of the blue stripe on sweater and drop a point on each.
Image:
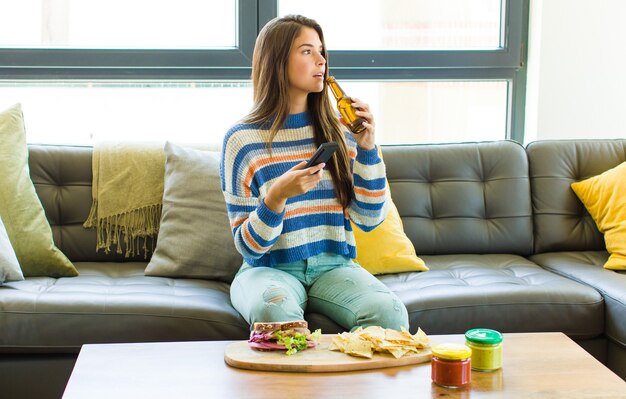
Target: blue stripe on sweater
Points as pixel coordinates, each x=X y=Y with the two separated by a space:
x=296 y=121
x=374 y=184
x=275 y=169
x=371 y=213
x=260 y=240
x=366 y=205
x=312 y=249
x=313 y=195
x=268 y=216
x=246 y=249
x=293 y=121
x=368 y=157
x=240 y=208
x=366 y=228
x=303 y=252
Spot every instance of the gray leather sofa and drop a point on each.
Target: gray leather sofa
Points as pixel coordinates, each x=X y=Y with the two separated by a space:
x=508 y=244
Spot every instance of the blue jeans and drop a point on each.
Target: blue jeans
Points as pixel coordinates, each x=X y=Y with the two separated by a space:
x=329 y=284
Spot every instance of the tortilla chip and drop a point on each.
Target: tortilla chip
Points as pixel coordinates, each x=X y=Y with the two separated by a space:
x=398 y=337
x=373 y=333
x=398 y=352
x=358 y=347
x=334 y=345
x=364 y=342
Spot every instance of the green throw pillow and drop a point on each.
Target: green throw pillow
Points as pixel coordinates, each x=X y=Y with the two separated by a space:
x=20 y=208
x=9 y=266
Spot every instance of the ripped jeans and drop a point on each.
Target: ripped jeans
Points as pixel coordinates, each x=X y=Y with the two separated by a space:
x=329 y=284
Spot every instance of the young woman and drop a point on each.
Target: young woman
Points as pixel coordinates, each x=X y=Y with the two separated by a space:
x=290 y=223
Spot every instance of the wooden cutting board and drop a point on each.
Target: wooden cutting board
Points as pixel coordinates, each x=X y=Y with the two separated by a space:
x=315 y=360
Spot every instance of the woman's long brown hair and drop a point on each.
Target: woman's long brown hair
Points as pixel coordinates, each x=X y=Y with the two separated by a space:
x=271 y=95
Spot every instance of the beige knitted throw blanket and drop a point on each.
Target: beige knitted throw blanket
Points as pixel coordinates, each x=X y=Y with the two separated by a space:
x=127 y=193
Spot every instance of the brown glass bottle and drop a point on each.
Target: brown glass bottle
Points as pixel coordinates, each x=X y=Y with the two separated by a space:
x=344 y=105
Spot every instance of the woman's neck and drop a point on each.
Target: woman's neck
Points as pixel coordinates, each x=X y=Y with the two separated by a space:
x=298 y=104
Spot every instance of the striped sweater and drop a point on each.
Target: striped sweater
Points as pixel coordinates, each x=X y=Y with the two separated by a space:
x=311 y=223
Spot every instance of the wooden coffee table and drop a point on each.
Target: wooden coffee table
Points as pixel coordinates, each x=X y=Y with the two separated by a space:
x=537 y=365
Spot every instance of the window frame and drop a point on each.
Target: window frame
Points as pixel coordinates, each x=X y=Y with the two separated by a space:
x=505 y=63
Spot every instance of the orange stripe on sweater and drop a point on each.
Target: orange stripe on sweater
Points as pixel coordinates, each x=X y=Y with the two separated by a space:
x=314 y=209
x=237 y=222
x=250 y=240
x=262 y=162
x=366 y=193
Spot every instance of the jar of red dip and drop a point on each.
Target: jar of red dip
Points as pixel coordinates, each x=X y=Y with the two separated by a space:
x=451 y=365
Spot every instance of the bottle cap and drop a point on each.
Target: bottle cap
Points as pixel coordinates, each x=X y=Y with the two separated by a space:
x=484 y=336
x=452 y=351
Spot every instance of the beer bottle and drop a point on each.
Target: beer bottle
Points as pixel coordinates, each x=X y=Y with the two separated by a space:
x=344 y=105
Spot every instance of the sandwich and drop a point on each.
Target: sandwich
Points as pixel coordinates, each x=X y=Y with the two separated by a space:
x=288 y=336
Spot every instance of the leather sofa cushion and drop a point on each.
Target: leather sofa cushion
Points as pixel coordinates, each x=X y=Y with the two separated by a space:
x=110 y=303
x=586 y=267
x=506 y=292
x=116 y=303
x=561 y=221
x=462 y=198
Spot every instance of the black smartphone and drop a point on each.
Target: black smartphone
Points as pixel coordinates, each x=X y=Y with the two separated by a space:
x=323 y=154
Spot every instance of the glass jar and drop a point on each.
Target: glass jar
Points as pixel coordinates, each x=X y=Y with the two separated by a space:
x=486 y=346
x=451 y=365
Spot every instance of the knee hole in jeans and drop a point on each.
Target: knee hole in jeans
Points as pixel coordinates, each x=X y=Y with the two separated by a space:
x=276 y=305
x=275 y=295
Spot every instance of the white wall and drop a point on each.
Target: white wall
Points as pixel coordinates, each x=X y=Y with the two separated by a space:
x=576 y=70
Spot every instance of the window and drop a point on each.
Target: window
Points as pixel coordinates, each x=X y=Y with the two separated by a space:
x=433 y=71
x=404 y=24
x=87 y=112
x=118 y=24
x=436 y=111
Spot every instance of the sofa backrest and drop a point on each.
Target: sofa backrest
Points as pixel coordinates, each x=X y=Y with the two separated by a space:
x=62 y=176
x=462 y=198
x=453 y=198
x=561 y=221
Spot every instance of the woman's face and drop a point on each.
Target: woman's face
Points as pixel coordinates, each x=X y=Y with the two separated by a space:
x=306 y=66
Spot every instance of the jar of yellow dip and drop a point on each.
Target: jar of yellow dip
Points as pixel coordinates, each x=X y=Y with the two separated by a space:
x=486 y=346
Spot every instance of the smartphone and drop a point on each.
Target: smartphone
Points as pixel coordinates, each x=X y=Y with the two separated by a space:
x=323 y=154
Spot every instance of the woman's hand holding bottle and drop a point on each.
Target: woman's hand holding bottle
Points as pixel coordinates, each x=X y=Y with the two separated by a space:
x=365 y=139
x=355 y=115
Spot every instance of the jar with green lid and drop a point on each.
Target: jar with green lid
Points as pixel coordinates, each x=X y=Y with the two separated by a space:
x=486 y=348
x=451 y=365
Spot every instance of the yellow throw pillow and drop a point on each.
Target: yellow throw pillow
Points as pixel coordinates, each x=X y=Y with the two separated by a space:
x=604 y=196
x=387 y=249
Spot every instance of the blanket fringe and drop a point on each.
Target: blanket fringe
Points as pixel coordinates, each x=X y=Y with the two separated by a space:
x=126 y=229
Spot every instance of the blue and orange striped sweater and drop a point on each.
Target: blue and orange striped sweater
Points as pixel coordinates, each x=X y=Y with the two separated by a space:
x=311 y=223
